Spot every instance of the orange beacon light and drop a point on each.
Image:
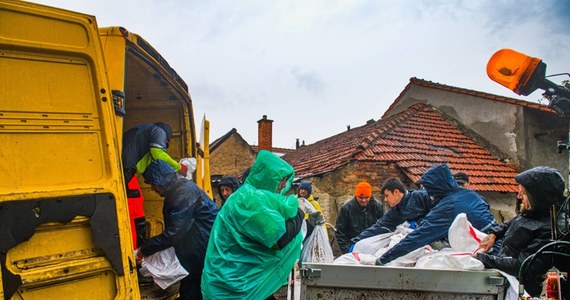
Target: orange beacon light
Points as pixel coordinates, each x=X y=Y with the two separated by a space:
x=518 y=72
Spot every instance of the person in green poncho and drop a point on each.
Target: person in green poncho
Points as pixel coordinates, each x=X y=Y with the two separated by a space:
x=256 y=237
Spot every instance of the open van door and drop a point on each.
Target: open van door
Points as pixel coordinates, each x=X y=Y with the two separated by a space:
x=64 y=227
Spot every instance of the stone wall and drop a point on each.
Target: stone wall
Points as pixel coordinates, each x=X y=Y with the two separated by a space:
x=231 y=157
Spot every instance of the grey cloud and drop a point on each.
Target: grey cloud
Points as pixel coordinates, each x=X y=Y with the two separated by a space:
x=308 y=80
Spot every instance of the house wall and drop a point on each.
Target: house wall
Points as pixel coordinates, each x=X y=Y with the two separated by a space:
x=503 y=205
x=526 y=135
x=542 y=132
x=231 y=157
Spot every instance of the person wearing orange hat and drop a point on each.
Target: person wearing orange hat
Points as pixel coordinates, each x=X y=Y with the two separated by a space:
x=356 y=215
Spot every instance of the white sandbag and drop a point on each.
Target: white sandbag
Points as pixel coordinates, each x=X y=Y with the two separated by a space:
x=355 y=259
x=449 y=259
x=164 y=268
x=381 y=243
x=410 y=259
x=463 y=237
x=372 y=244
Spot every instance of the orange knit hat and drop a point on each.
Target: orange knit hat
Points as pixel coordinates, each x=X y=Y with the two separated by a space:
x=363 y=189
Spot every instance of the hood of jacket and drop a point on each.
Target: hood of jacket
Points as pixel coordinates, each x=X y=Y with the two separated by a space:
x=229 y=181
x=438 y=181
x=544 y=186
x=267 y=172
x=167 y=128
x=160 y=174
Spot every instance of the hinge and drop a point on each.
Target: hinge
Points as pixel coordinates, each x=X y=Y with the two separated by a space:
x=496 y=280
x=310 y=273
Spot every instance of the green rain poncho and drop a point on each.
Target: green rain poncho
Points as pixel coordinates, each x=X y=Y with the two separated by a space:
x=240 y=261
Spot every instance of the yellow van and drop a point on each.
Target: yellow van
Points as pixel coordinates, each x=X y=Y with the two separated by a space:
x=68 y=90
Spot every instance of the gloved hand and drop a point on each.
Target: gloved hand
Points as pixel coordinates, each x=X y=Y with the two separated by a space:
x=351 y=248
x=183 y=170
x=379 y=262
x=316 y=218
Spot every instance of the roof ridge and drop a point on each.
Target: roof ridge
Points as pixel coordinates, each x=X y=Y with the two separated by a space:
x=391 y=123
x=213 y=145
x=454 y=89
x=490 y=96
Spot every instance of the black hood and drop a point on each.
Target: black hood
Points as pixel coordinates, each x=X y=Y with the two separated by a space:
x=544 y=186
x=229 y=181
x=166 y=128
x=438 y=181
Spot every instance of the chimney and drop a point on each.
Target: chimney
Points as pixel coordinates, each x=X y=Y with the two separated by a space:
x=265 y=134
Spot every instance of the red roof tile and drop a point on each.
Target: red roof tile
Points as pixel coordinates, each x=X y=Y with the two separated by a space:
x=414 y=139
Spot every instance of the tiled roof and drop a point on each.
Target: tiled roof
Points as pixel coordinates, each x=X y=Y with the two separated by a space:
x=444 y=87
x=414 y=139
x=328 y=154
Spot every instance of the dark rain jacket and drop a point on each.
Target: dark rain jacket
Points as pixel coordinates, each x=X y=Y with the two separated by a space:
x=243 y=259
x=353 y=219
x=413 y=207
x=528 y=231
x=228 y=181
x=137 y=142
x=188 y=217
x=450 y=200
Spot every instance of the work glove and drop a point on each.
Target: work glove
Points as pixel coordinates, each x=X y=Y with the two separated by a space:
x=183 y=170
x=316 y=218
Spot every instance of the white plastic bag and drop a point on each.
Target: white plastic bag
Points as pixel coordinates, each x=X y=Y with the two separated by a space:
x=316 y=248
x=463 y=237
x=306 y=206
x=164 y=268
x=190 y=163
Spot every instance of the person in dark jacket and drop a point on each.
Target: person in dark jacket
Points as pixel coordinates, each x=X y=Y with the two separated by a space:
x=189 y=215
x=356 y=215
x=450 y=200
x=227 y=186
x=142 y=145
x=539 y=189
x=411 y=206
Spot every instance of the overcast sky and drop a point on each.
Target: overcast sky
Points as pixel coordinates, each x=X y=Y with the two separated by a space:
x=315 y=67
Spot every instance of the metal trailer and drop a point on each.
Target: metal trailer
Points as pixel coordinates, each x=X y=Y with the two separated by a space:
x=332 y=281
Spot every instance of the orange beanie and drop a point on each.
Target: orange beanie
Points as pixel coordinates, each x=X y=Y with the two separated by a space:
x=363 y=189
